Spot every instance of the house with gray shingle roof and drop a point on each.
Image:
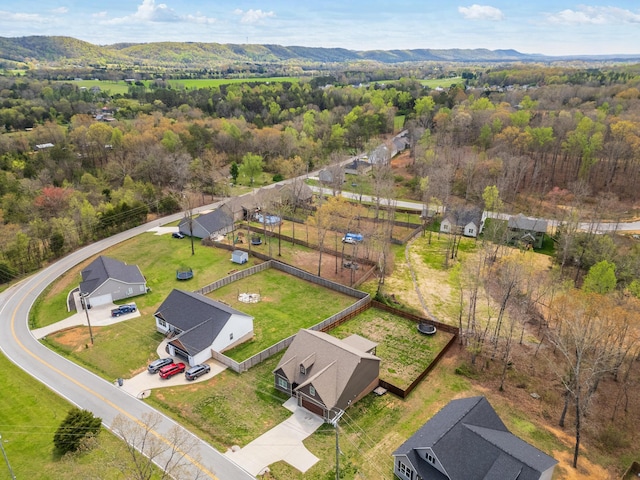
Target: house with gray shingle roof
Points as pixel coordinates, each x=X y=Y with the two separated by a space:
x=526 y=230
x=199 y=325
x=327 y=374
x=106 y=280
x=208 y=225
x=462 y=221
x=466 y=440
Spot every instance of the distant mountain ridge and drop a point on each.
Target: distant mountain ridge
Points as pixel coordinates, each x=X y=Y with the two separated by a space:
x=71 y=51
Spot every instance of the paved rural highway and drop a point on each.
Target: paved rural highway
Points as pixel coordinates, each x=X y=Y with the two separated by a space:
x=79 y=386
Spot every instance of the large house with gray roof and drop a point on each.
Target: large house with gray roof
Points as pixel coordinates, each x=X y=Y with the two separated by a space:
x=208 y=225
x=327 y=374
x=199 y=325
x=466 y=440
x=106 y=280
x=462 y=221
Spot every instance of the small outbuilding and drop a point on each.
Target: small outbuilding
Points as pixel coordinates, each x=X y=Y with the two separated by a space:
x=238 y=256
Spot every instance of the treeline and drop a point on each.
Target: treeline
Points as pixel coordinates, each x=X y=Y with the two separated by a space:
x=110 y=155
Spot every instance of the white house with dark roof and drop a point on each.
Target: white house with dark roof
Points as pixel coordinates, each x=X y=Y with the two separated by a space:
x=199 y=325
x=327 y=374
x=466 y=440
x=106 y=280
x=208 y=225
x=462 y=221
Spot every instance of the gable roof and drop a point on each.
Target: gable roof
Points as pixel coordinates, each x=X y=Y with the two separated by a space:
x=521 y=222
x=329 y=363
x=200 y=318
x=472 y=443
x=461 y=217
x=211 y=222
x=104 y=268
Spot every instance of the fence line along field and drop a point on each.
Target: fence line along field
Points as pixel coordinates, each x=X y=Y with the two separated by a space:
x=286 y=305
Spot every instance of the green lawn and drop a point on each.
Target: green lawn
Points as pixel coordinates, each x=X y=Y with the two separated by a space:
x=404 y=352
x=119 y=351
x=287 y=305
x=114 y=87
x=158 y=256
x=28 y=419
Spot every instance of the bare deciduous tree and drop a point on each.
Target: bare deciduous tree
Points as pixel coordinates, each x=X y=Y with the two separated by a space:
x=149 y=452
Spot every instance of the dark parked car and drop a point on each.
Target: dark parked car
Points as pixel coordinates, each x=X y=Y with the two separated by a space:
x=197 y=370
x=177 y=235
x=158 y=364
x=122 y=309
x=171 y=370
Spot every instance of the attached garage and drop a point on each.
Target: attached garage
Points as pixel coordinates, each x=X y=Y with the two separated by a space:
x=310 y=405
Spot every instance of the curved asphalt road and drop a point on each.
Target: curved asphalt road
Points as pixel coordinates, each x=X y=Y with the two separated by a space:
x=79 y=386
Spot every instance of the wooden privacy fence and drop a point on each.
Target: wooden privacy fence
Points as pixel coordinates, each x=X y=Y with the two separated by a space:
x=455 y=331
x=360 y=305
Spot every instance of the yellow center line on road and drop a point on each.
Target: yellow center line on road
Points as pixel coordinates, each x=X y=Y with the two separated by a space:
x=158 y=435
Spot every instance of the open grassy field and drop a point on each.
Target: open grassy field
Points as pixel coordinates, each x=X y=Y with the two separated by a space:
x=216 y=82
x=441 y=82
x=115 y=87
x=27 y=424
x=404 y=352
x=287 y=304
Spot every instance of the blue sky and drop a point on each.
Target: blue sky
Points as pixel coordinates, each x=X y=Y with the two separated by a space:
x=552 y=27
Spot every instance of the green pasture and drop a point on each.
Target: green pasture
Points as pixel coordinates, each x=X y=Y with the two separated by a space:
x=194 y=83
x=115 y=87
x=441 y=82
x=287 y=304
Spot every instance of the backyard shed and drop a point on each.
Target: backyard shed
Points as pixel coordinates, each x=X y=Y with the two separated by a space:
x=238 y=256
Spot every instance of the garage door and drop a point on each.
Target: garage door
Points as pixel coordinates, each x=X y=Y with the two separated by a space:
x=100 y=300
x=180 y=353
x=312 y=407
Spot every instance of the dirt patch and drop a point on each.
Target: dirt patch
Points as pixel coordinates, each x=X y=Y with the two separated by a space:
x=400 y=164
x=75 y=339
x=585 y=471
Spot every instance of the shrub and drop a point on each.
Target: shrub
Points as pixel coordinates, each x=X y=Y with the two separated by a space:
x=74 y=429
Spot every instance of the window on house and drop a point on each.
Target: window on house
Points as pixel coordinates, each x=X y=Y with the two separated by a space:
x=471 y=231
x=231 y=336
x=302 y=369
x=162 y=323
x=282 y=383
x=312 y=391
x=406 y=471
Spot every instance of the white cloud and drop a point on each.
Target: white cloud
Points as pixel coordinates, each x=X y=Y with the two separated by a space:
x=60 y=10
x=253 y=16
x=22 y=17
x=149 y=11
x=481 y=12
x=586 y=15
x=102 y=14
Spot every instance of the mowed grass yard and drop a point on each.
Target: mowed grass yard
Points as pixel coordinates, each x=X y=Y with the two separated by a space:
x=287 y=304
x=404 y=352
x=158 y=256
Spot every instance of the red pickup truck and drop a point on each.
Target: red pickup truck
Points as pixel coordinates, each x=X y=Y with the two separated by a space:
x=171 y=370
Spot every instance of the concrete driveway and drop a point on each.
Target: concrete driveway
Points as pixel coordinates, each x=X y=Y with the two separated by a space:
x=282 y=442
x=140 y=385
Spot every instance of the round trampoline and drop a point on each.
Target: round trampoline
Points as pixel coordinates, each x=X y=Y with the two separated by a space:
x=184 y=273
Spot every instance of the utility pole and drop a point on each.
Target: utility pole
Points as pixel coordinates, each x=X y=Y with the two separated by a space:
x=334 y=422
x=6 y=459
x=85 y=305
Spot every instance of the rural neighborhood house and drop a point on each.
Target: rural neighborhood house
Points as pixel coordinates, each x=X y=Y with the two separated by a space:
x=209 y=225
x=326 y=374
x=199 y=325
x=466 y=440
x=106 y=280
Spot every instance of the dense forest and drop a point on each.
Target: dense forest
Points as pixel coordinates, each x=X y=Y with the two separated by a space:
x=76 y=164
